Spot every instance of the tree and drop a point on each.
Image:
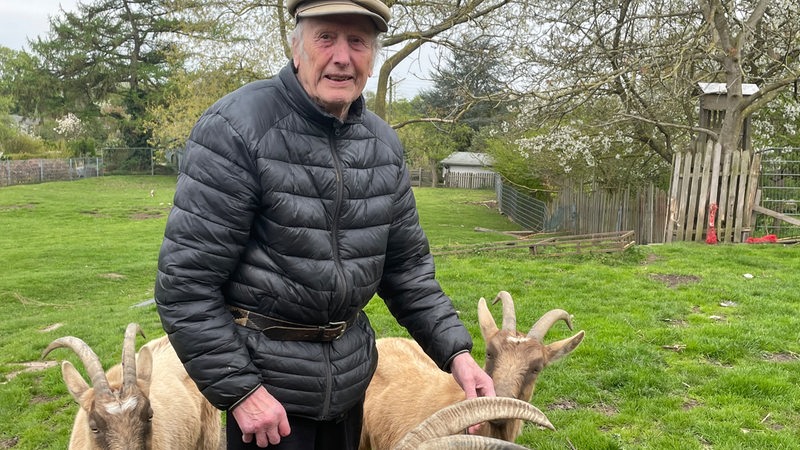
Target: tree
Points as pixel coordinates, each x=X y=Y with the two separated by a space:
x=22 y=80
x=441 y=23
x=649 y=57
x=114 y=50
x=186 y=96
x=467 y=84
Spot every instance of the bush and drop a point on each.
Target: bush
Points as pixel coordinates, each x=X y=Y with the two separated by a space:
x=21 y=146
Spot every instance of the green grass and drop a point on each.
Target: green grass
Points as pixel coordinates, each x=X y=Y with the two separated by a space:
x=682 y=351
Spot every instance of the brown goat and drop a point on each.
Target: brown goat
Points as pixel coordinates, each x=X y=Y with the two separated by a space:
x=408 y=387
x=146 y=403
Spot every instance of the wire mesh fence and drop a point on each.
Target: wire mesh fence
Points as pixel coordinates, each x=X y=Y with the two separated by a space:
x=110 y=161
x=779 y=184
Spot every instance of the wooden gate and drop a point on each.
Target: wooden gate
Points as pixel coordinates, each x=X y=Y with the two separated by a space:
x=708 y=184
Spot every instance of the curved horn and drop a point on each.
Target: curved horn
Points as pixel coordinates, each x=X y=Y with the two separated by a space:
x=129 y=355
x=469 y=442
x=542 y=326
x=485 y=320
x=457 y=417
x=89 y=359
x=509 y=315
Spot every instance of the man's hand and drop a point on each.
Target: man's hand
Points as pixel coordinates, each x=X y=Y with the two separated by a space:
x=261 y=416
x=472 y=379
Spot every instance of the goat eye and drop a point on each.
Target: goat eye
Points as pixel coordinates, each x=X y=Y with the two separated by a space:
x=95 y=430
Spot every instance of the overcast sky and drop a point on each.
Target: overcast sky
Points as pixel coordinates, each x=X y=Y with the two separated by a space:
x=21 y=20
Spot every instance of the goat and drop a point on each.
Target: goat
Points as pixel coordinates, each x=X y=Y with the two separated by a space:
x=148 y=402
x=408 y=387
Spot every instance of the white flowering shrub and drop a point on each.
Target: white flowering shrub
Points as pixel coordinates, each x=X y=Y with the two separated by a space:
x=69 y=126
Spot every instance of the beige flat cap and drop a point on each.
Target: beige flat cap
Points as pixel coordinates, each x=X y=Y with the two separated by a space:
x=375 y=9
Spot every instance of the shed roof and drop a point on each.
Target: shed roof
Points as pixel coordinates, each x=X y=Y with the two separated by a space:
x=473 y=159
x=722 y=88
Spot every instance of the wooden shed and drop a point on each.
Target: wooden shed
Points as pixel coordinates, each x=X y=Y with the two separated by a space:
x=469 y=170
x=713 y=101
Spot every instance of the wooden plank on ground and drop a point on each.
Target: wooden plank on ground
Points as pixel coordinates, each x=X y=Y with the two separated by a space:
x=585 y=243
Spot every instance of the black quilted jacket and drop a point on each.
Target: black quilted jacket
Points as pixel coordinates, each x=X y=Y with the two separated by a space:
x=284 y=210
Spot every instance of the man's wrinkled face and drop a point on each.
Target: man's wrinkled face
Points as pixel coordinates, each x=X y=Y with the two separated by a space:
x=334 y=59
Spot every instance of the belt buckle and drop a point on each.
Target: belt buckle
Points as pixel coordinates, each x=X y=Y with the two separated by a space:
x=338 y=327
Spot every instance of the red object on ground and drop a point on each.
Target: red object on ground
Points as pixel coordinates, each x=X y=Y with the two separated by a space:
x=711 y=235
x=769 y=238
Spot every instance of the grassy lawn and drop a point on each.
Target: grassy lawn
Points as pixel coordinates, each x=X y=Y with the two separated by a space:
x=688 y=346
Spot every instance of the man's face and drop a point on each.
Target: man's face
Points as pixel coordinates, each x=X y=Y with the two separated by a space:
x=335 y=59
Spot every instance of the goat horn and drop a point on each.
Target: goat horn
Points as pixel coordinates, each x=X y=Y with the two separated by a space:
x=457 y=417
x=469 y=442
x=509 y=315
x=89 y=359
x=542 y=326
x=129 y=355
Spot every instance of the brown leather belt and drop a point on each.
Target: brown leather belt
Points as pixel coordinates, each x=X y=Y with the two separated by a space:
x=283 y=330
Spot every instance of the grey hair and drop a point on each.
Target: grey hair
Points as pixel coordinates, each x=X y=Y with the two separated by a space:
x=296 y=39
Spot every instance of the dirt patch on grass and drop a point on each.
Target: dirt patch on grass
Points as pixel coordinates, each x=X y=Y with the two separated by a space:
x=491 y=204
x=147 y=215
x=9 y=443
x=781 y=357
x=563 y=404
x=650 y=258
x=672 y=280
x=32 y=366
x=5 y=208
x=676 y=322
x=94 y=213
x=606 y=410
x=112 y=276
x=690 y=404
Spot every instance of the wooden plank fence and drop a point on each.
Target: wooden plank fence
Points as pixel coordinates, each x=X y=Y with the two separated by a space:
x=470 y=180
x=642 y=210
x=708 y=180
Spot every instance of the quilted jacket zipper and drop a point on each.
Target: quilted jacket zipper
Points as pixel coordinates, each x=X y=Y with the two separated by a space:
x=341 y=279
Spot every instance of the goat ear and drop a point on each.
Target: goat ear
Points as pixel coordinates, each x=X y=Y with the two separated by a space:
x=76 y=385
x=144 y=368
x=559 y=349
x=486 y=321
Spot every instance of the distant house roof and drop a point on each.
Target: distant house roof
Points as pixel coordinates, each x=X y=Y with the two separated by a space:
x=471 y=159
x=722 y=88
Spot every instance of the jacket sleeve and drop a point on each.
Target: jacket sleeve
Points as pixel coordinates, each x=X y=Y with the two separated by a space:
x=207 y=229
x=410 y=289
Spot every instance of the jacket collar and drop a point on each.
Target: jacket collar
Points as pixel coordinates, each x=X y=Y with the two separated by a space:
x=303 y=104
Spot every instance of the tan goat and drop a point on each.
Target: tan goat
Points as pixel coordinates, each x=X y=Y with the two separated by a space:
x=146 y=403
x=408 y=387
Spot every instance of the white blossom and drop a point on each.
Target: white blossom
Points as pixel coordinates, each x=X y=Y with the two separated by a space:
x=68 y=126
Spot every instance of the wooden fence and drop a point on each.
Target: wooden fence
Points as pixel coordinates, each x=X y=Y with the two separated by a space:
x=470 y=180
x=711 y=184
x=579 y=210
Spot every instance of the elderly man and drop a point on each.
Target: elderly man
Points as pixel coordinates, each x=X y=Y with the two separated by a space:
x=292 y=209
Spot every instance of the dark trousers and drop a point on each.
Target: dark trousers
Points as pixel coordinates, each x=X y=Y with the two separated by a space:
x=307 y=434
